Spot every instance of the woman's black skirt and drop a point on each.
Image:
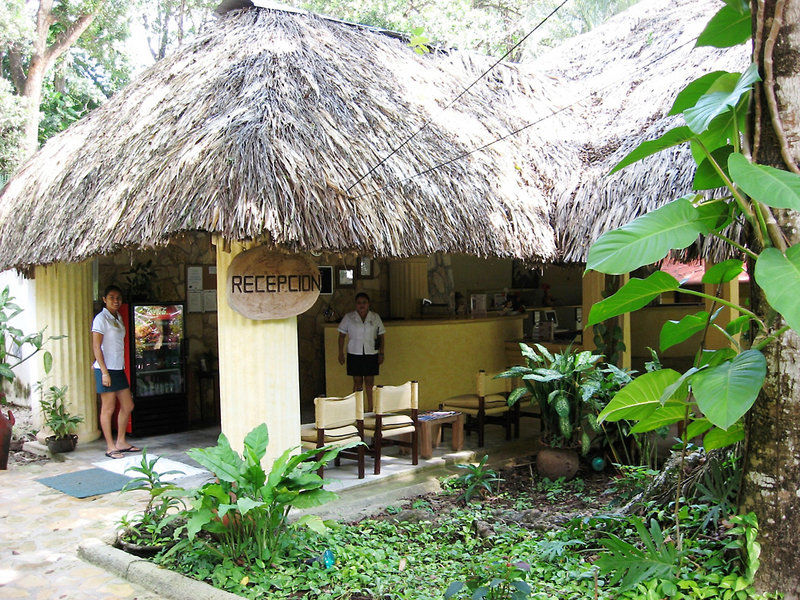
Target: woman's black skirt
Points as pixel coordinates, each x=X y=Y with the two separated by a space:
x=362 y=365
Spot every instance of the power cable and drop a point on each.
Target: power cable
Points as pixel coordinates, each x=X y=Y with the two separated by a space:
x=458 y=97
x=516 y=131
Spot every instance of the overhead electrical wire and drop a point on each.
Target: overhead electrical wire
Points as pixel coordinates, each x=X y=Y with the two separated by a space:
x=460 y=95
x=516 y=131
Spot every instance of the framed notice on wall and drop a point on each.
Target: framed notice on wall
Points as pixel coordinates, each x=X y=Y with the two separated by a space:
x=201 y=288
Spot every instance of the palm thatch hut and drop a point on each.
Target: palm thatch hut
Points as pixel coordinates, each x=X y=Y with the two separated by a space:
x=261 y=128
x=629 y=70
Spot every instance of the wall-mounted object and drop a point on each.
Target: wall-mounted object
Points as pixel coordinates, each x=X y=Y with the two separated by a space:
x=365 y=267
x=346 y=277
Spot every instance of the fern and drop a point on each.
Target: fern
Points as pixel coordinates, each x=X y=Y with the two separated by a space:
x=631 y=565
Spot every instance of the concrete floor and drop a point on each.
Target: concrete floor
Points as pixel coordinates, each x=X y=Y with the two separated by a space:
x=40 y=528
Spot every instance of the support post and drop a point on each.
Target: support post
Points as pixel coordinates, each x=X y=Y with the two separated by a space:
x=258 y=370
x=64 y=307
x=730 y=292
x=625 y=325
x=408 y=285
x=593 y=284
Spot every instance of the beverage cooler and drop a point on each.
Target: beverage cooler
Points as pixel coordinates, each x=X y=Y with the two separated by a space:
x=157 y=368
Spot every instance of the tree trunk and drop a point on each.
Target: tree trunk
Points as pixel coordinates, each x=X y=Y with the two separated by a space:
x=772 y=457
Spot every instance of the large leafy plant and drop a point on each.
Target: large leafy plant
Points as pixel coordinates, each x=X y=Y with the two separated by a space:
x=567 y=387
x=721 y=386
x=56 y=416
x=246 y=510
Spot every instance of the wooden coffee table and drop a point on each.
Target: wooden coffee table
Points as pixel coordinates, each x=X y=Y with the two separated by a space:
x=430 y=430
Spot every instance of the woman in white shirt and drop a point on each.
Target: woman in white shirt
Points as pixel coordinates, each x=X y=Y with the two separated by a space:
x=108 y=343
x=365 y=332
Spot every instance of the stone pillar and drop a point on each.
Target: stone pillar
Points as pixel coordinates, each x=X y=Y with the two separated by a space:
x=593 y=285
x=64 y=306
x=730 y=292
x=258 y=371
x=408 y=285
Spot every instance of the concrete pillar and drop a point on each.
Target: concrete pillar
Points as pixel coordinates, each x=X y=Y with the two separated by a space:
x=408 y=285
x=593 y=284
x=258 y=371
x=64 y=306
x=730 y=292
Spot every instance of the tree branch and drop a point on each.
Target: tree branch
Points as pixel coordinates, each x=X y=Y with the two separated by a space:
x=756 y=95
x=769 y=88
x=69 y=36
x=16 y=69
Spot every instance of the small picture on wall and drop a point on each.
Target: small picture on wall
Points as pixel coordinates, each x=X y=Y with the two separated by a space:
x=326 y=275
x=346 y=278
x=364 y=267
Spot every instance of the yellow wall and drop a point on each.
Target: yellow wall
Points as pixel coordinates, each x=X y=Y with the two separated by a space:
x=471 y=273
x=443 y=356
x=64 y=307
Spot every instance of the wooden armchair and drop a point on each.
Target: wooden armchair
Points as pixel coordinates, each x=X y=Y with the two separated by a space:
x=488 y=405
x=395 y=416
x=336 y=423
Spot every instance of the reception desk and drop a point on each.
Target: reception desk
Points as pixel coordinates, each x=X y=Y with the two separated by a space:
x=444 y=355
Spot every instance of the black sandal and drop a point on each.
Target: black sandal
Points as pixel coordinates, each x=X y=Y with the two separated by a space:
x=118 y=454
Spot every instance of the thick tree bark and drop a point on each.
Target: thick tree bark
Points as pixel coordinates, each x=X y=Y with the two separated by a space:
x=772 y=460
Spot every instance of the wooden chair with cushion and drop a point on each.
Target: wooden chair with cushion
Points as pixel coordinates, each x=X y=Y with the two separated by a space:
x=336 y=423
x=395 y=417
x=488 y=405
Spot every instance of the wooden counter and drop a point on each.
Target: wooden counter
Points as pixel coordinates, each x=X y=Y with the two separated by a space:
x=444 y=355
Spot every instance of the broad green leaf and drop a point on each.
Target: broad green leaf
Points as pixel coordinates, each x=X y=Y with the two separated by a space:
x=719 y=438
x=452 y=589
x=714 y=216
x=646 y=239
x=220 y=459
x=257 y=440
x=712 y=358
x=675 y=332
x=47 y=358
x=689 y=95
x=723 y=272
x=678 y=389
x=713 y=104
x=640 y=398
x=5 y=371
x=738 y=325
x=773 y=187
x=778 y=275
x=698 y=427
x=729 y=27
x=313 y=498
x=670 y=413
x=673 y=137
x=634 y=295
x=725 y=392
x=313 y=522
x=706 y=176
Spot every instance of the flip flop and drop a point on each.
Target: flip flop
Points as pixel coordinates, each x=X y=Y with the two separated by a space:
x=130 y=449
x=115 y=454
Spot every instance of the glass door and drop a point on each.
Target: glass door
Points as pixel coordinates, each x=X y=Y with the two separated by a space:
x=158 y=349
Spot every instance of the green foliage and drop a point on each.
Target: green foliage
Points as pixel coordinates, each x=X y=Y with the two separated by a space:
x=151 y=527
x=635 y=294
x=497 y=581
x=17 y=347
x=246 y=511
x=778 y=274
x=729 y=27
x=56 y=416
x=477 y=477
x=566 y=386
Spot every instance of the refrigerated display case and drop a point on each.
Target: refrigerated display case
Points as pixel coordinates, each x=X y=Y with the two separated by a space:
x=158 y=369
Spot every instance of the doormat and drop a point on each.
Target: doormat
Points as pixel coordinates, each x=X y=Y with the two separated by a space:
x=170 y=470
x=83 y=484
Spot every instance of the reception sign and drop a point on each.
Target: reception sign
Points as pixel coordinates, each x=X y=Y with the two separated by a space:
x=264 y=284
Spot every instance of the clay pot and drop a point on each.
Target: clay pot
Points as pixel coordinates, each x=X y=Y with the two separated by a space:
x=58 y=445
x=555 y=463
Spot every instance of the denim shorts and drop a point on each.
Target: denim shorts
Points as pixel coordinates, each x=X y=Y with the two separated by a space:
x=119 y=381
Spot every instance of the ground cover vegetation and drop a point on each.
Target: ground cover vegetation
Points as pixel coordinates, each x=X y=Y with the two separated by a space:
x=490 y=533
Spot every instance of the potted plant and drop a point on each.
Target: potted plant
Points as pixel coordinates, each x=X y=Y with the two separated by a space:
x=565 y=386
x=59 y=421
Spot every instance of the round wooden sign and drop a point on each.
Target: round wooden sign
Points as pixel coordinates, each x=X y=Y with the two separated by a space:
x=263 y=284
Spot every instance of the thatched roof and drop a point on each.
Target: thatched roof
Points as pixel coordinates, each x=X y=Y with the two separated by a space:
x=630 y=98
x=257 y=129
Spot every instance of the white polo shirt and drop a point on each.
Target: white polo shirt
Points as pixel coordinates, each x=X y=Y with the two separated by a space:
x=113 y=345
x=361 y=334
